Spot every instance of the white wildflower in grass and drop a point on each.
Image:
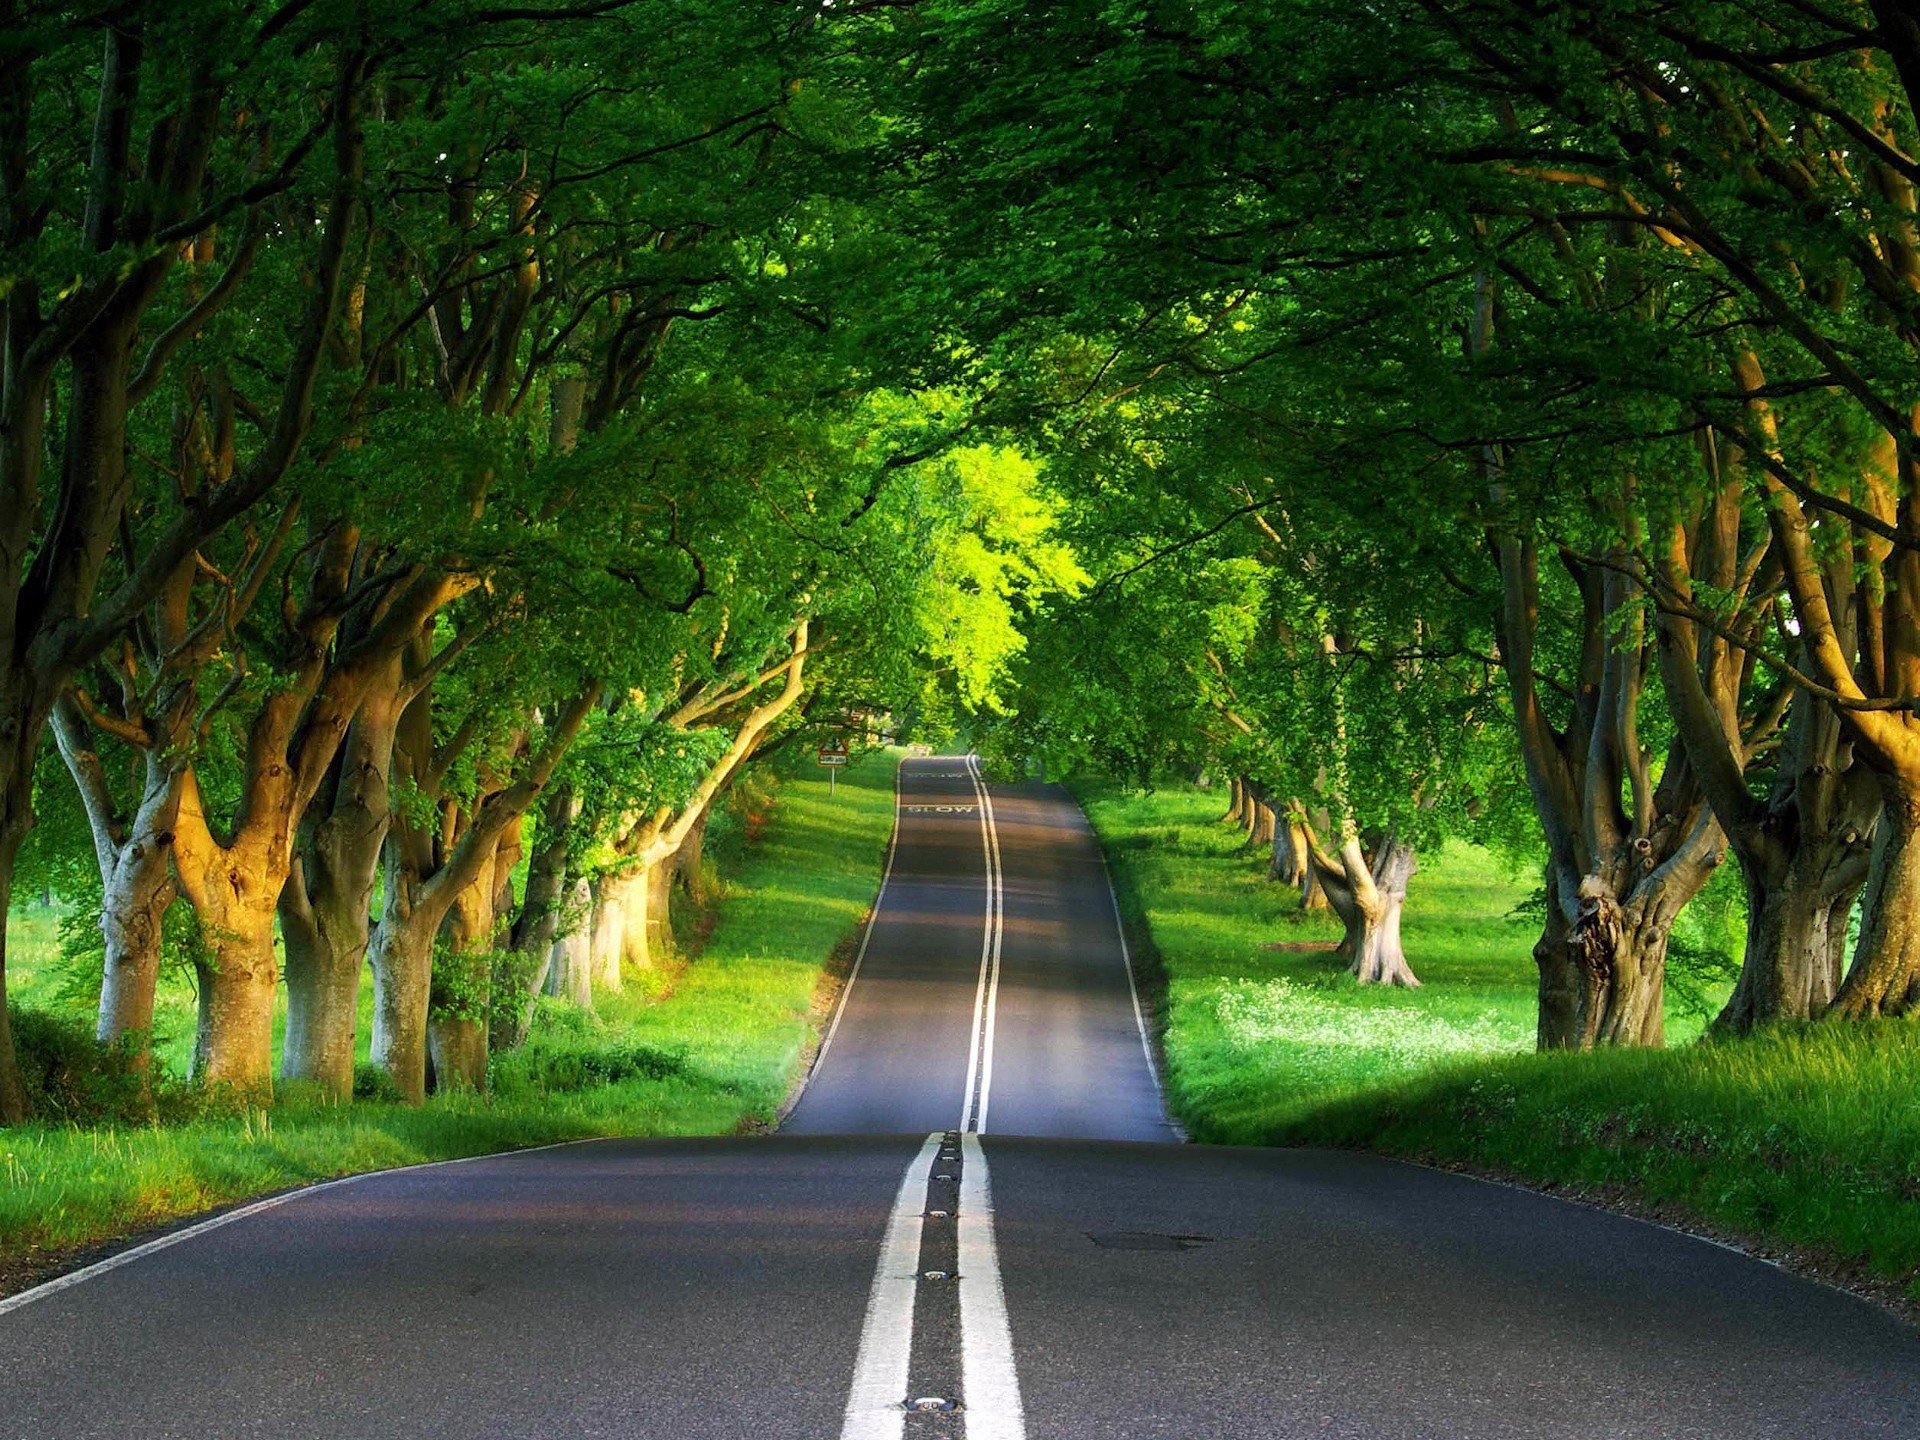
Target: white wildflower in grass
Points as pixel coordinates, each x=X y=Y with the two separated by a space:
x=1319 y=1035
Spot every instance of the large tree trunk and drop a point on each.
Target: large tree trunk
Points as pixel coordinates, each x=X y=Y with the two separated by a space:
x=571 y=973
x=649 y=932
x=1603 y=970
x=1287 y=861
x=326 y=946
x=1374 y=951
x=133 y=908
x=234 y=889
x=1885 y=976
x=1797 y=913
x=134 y=899
x=1237 y=807
x=1368 y=894
x=1264 y=824
x=690 y=861
x=326 y=908
x=402 y=955
x=457 y=1044
x=537 y=932
x=614 y=897
x=136 y=877
x=463 y=985
x=233 y=1044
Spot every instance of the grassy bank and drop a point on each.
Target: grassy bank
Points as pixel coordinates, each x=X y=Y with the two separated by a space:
x=1805 y=1142
x=706 y=1047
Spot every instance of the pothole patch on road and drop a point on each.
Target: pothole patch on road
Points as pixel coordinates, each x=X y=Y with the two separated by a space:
x=1146 y=1240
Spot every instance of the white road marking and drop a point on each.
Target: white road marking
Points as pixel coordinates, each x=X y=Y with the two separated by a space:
x=1133 y=990
x=859 y=958
x=989 y=1381
x=998 y=873
x=876 y=1403
x=986 y=999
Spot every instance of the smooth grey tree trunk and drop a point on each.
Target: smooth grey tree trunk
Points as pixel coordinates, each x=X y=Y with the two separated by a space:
x=613 y=895
x=402 y=956
x=135 y=895
x=571 y=973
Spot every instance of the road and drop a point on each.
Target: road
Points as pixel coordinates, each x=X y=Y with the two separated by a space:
x=985 y=1111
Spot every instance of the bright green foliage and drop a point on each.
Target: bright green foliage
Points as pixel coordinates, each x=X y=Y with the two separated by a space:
x=997 y=557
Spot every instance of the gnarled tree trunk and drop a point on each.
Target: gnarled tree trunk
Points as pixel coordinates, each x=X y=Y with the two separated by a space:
x=478 y=932
x=1791 y=968
x=1287 y=859
x=1368 y=893
x=1261 y=830
x=326 y=908
x=1603 y=973
x=464 y=860
x=690 y=862
x=1237 y=803
x=463 y=981
x=326 y=943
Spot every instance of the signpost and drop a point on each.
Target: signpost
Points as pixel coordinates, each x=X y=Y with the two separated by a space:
x=833 y=755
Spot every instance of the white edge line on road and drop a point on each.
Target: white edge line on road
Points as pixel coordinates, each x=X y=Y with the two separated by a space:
x=876 y=1401
x=860 y=955
x=1139 y=1015
x=989 y=1380
x=242 y=1212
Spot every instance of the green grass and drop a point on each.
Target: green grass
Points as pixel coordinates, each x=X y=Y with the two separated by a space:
x=1806 y=1140
x=1254 y=1033
x=707 y=1048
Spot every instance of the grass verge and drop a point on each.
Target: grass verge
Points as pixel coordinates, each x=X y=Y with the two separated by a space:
x=706 y=1047
x=1803 y=1144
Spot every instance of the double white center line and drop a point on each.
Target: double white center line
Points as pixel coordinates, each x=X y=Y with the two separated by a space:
x=989 y=1403
x=986 y=999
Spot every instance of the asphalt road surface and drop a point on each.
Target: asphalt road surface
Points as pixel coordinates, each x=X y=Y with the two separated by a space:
x=1071 y=1274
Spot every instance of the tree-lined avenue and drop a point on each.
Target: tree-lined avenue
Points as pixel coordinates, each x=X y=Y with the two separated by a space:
x=718 y=1289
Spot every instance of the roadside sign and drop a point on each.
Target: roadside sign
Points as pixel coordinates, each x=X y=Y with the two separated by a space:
x=833 y=755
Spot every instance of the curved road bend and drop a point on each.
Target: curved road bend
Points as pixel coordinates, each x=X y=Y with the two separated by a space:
x=1091 y=1287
